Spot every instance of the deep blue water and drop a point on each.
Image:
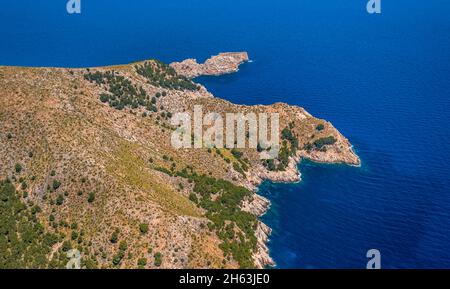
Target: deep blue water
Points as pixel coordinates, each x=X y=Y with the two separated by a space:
x=383 y=80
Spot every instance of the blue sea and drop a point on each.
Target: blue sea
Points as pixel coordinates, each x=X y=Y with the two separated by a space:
x=382 y=80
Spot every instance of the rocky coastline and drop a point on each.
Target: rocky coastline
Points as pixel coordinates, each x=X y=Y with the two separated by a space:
x=341 y=152
x=260 y=205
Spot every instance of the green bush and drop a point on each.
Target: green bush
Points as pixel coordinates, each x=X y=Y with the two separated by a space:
x=114 y=237
x=162 y=75
x=319 y=143
x=308 y=147
x=142 y=262
x=66 y=246
x=238 y=168
x=123 y=246
x=143 y=228
x=91 y=197
x=237 y=154
x=158 y=259
x=74 y=235
x=226 y=209
x=60 y=200
x=117 y=258
x=24 y=243
x=288 y=149
x=270 y=164
x=56 y=184
x=193 y=198
x=104 y=97
x=18 y=168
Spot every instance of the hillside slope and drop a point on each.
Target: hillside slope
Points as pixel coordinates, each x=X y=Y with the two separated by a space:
x=88 y=152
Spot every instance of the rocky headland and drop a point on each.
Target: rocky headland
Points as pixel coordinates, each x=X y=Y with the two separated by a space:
x=223 y=63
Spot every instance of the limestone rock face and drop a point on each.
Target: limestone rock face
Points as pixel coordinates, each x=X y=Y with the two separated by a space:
x=223 y=63
x=261 y=256
x=257 y=206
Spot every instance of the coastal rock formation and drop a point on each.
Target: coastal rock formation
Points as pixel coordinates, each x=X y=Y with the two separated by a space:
x=339 y=153
x=223 y=63
x=261 y=256
x=257 y=205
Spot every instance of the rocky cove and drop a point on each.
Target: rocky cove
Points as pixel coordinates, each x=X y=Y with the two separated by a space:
x=259 y=205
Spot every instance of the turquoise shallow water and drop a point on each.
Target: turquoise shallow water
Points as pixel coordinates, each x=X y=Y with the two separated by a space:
x=382 y=80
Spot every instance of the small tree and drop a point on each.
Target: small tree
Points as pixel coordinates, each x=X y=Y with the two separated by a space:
x=143 y=228
x=74 y=235
x=114 y=237
x=18 y=168
x=142 y=262
x=193 y=198
x=56 y=184
x=91 y=197
x=60 y=200
x=123 y=246
x=158 y=259
x=117 y=259
x=66 y=246
x=104 y=97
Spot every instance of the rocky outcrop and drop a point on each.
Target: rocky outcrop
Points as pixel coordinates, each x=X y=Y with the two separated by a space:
x=261 y=255
x=223 y=63
x=258 y=206
x=340 y=152
x=290 y=175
